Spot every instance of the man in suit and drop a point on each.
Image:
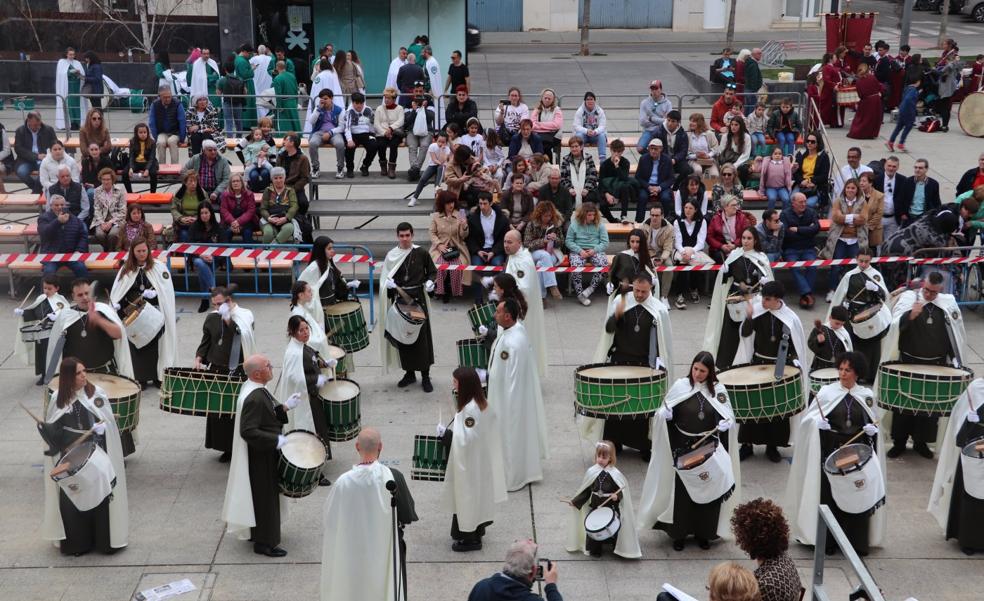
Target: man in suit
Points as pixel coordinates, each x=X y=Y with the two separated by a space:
x=487 y=229
x=655 y=175
x=924 y=195
x=897 y=189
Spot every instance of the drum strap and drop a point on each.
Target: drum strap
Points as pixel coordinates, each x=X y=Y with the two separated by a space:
x=653 y=348
x=953 y=340
x=235 y=350
x=780 y=370
x=55 y=357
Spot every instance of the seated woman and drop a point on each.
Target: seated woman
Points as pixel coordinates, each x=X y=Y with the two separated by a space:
x=544 y=238
x=548 y=120
x=448 y=232
x=811 y=172
x=205 y=230
x=691 y=191
x=237 y=207
x=616 y=186
x=578 y=173
x=517 y=202
x=184 y=205
x=727 y=185
x=587 y=241
x=725 y=230
x=203 y=124
x=278 y=208
x=143 y=158
x=135 y=226
x=736 y=148
x=689 y=249
x=108 y=210
x=703 y=146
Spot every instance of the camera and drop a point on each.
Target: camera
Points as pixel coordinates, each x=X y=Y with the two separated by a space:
x=542 y=565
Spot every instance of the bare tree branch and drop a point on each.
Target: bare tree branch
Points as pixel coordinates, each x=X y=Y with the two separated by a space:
x=152 y=24
x=24 y=8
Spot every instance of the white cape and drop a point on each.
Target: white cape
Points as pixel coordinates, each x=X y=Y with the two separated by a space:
x=61 y=89
x=323 y=80
x=313 y=276
x=803 y=486
x=23 y=352
x=475 y=479
x=52 y=527
x=357 y=560
x=318 y=340
x=292 y=381
x=627 y=544
x=746 y=349
x=433 y=69
x=389 y=355
x=243 y=318
x=199 y=76
x=121 y=346
x=840 y=293
x=949 y=463
x=394 y=69
x=160 y=279
x=516 y=401
x=261 y=77
x=719 y=309
x=522 y=267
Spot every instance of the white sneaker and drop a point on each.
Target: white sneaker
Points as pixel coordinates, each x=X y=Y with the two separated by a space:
x=681 y=303
x=315 y=173
x=583 y=299
x=412 y=202
x=340 y=174
x=830 y=296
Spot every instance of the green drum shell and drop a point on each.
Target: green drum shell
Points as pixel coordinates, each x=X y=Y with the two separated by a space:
x=347 y=330
x=481 y=315
x=297 y=482
x=472 y=353
x=633 y=396
x=430 y=458
x=344 y=416
x=927 y=395
x=126 y=407
x=818 y=380
x=200 y=393
x=785 y=396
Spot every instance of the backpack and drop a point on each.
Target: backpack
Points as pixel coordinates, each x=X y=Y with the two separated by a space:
x=235 y=87
x=930 y=125
x=120 y=158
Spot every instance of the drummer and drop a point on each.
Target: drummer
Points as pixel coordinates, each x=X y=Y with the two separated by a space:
x=144 y=280
x=304 y=304
x=43 y=310
x=927 y=329
x=604 y=485
x=330 y=287
x=637 y=332
x=504 y=286
x=409 y=268
x=773 y=334
x=844 y=412
x=696 y=410
x=828 y=341
x=80 y=407
x=861 y=291
x=227 y=338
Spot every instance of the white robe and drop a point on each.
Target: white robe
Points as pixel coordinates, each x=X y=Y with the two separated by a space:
x=516 y=401
x=318 y=340
x=719 y=308
x=475 y=480
x=323 y=80
x=121 y=346
x=394 y=69
x=840 y=294
x=433 y=71
x=21 y=348
x=292 y=381
x=949 y=463
x=803 y=486
x=52 y=527
x=357 y=560
x=656 y=504
x=199 y=76
x=61 y=89
x=261 y=77
x=627 y=544
x=523 y=268
x=389 y=354
x=746 y=349
x=160 y=279
x=243 y=318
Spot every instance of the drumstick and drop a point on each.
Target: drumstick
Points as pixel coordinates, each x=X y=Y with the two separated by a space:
x=82 y=438
x=609 y=498
x=707 y=435
x=29 y=293
x=31 y=414
x=403 y=294
x=857 y=436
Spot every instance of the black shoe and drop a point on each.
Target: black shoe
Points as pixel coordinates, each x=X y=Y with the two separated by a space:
x=646 y=455
x=203 y=306
x=896 y=451
x=461 y=546
x=144 y=386
x=225 y=457
x=773 y=454
x=595 y=552
x=703 y=543
x=679 y=544
x=446 y=297
x=967 y=551
x=745 y=451
x=268 y=550
x=364 y=170
x=425 y=383
x=157 y=384
x=324 y=481
x=40 y=381
x=349 y=173
x=408 y=379
x=923 y=450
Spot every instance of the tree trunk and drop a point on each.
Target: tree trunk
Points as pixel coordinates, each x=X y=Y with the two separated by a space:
x=729 y=42
x=585 y=26
x=945 y=9
x=146 y=35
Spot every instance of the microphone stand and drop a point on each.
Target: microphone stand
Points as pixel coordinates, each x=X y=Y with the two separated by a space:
x=391 y=487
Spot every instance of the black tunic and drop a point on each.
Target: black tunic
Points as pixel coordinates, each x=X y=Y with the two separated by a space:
x=740 y=271
x=824 y=352
x=594 y=495
x=768 y=332
x=312 y=363
x=260 y=426
x=858 y=299
x=144 y=359
x=415 y=270
x=406 y=514
x=699 y=519
x=965 y=521
x=855 y=525
x=333 y=289
x=925 y=343
x=630 y=348
x=215 y=349
x=40 y=313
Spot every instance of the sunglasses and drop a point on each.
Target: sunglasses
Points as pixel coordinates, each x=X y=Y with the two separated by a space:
x=811 y=141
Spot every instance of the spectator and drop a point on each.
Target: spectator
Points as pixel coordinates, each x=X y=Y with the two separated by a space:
x=92 y=86
x=388 y=121
x=448 y=235
x=513 y=583
x=776 y=179
x=848 y=230
x=947 y=71
x=661 y=236
x=461 y=109
x=94 y=131
x=590 y=125
x=548 y=121
x=801 y=226
x=298 y=169
x=972 y=178
x=785 y=126
x=655 y=175
x=935 y=230
x=348 y=74
x=458 y=74
x=184 y=204
x=493 y=157
x=702 y=146
x=676 y=144
x=724 y=231
x=419 y=122
x=736 y=148
x=526 y=143
x=875 y=202
x=458 y=173
x=868 y=113
x=52 y=164
x=906 y=118
x=772 y=233
x=326 y=129
x=256 y=164
x=690 y=244
x=852 y=170
x=168 y=128
x=723 y=68
x=616 y=186
x=832 y=73
x=897 y=190
x=62 y=232
x=652 y=111
x=213 y=170
x=757 y=122
x=359 y=131
x=136 y=227
x=438 y=157
x=693 y=191
x=142 y=158
x=721 y=108
x=509 y=114
x=539 y=173
x=762 y=532
x=237 y=210
x=518 y=165
x=92 y=164
x=108 y=211
x=578 y=174
x=544 y=237
x=407 y=79
x=727 y=582
x=555 y=193
x=811 y=172
x=473 y=139
x=76 y=200
x=487 y=229
x=6 y=156
x=925 y=194
x=278 y=209
x=202 y=123
x=231 y=88
x=587 y=241
x=204 y=230
x=813 y=101
x=753 y=79
x=518 y=203
x=728 y=185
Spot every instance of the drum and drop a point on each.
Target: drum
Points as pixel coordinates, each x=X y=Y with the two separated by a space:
x=86 y=475
x=871 y=322
x=430 y=458
x=36 y=332
x=855 y=477
x=123 y=394
x=346 y=325
x=921 y=389
x=823 y=376
x=404 y=320
x=197 y=392
x=340 y=399
x=143 y=324
x=472 y=353
x=706 y=472
x=338 y=354
x=605 y=390
x=972 y=464
x=300 y=463
x=481 y=315
x=847 y=96
x=757 y=396
x=602 y=523
x=737 y=309
x=971 y=114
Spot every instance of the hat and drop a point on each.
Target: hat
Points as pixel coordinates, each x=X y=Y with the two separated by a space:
x=655 y=142
x=655 y=84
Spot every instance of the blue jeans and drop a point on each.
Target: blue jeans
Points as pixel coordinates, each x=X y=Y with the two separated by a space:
x=183 y=232
x=812 y=198
x=644 y=141
x=665 y=199
x=547 y=278
x=904 y=128
x=601 y=140
x=842 y=250
x=758 y=142
x=787 y=141
x=431 y=171
x=232 y=117
x=206 y=275
x=805 y=276
x=246 y=231
x=777 y=194
x=259 y=179
x=478 y=275
x=77 y=267
x=24 y=168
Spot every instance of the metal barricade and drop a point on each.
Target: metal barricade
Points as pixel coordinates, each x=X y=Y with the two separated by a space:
x=25 y=103
x=828 y=523
x=964 y=280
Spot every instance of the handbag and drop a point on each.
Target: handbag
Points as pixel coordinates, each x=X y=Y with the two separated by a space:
x=450 y=255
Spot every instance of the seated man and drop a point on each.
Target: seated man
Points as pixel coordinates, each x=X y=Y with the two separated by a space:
x=359 y=131
x=327 y=129
x=723 y=69
x=655 y=175
x=771 y=233
x=213 y=171
x=801 y=226
x=31 y=143
x=77 y=202
x=62 y=232
x=676 y=144
x=487 y=229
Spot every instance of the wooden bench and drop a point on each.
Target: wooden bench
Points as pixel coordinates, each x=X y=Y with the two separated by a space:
x=233 y=143
x=629 y=141
x=28 y=199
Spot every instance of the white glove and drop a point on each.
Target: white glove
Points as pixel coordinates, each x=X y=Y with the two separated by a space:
x=487 y=281
x=18 y=311
x=429 y=286
x=99 y=429
x=871 y=286
x=609 y=288
x=666 y=413
x=322 y=380
x=724 y=425
x=796 y=362
x=149 y=294
x=51 y=316
x=849 y=218
x=823 y=423
x=973 y=417
x=281 y=441
x=223 y=310
x=331 y=362
x=871 y=429
x=390 y=284
x=660 y=364
x=484 y=374
x=116 y=306
x=293 y=400
x=441 y=429
x=482 y=330
x=353 y=284
x=493 y=297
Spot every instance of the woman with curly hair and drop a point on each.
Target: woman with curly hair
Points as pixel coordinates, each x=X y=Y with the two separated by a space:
x=761 y=530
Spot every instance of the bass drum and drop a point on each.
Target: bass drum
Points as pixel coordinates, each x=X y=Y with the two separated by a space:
x=971 y=115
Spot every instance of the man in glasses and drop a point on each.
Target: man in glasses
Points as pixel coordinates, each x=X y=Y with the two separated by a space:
x=897 y=190
x=852 y=170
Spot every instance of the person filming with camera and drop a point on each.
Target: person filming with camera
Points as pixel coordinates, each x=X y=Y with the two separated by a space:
x=521 y=570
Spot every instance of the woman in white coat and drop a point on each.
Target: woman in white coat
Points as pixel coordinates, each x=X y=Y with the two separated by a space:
x=304 y=304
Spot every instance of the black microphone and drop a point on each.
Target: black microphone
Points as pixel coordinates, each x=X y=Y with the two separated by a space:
x=391 y=486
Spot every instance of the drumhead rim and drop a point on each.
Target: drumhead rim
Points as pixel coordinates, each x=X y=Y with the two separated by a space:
x=659 y=375
x=790 y=374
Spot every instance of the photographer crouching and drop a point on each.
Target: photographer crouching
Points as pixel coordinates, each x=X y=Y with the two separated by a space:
x=516 y=579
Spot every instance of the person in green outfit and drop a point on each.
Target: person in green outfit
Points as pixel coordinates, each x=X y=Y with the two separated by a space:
x=417 y=49
x=68 y=83
x=280 y=56
x=202 y=76
x=244 y=71
x=285 y=88
x=162 y=69
x=277 y=209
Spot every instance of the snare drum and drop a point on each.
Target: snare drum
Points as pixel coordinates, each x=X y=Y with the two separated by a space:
x=341 y=401
x=86 y=475
x=143 y=325
x=972 y=465
x=856 y=480
x=472 y=353
x=871 y=322
x=36 y=332
x=757 y=396
x=604 y=390
x=602 y=523
x=404 y=321
x=706 y=472
x=847 y=96
x=430 y=458
x=197 y=392
x=481 y=315
x=346 y=325
x=300 y=463
x=123 y=394
x=823 y=376
x=737 y=309
x=917 y=389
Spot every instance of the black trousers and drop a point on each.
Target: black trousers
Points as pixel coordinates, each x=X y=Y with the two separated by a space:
x=393 y=144
x=367 y=141
x=151 y=174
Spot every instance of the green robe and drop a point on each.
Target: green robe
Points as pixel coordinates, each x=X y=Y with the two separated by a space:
x=285 y=88
x=416 y=50
x=272 y=66
x=244 y=71
x=74 y=100
x=212 y=78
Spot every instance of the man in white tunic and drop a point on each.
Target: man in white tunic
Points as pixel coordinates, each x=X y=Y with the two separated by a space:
x=520 y=265
x=433 y=70
x=261 y=74
x=394 y=67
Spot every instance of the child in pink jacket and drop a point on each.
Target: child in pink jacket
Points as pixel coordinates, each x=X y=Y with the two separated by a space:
x=776 y=179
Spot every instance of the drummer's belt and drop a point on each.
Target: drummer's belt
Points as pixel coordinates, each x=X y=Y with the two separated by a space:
x=108 y=367
x=938 y=360
x=766 y=357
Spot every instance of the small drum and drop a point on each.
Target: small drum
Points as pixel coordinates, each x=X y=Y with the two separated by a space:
x=404 y=321
x=198 y=392
x=917 y=389
x=300 y=463
x=972 y=464
x=86 y=475
x=855 y=477
x=123 y=394
x=340 y=399
x=346 y=325
x=737 y=309
x=871 y=322
x=481 y=315
x=430 y=458
x=143 y=325
x=847 y=96
x=605 y=390
x=338 y=354
x=756 y=395
x=36 y=332
x=706 y=472
x=602 y=523
x=823 y=376
x=971 y=114
x=472 y=353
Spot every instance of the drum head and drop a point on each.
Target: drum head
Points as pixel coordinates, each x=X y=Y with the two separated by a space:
x=599 y=519
x=974 y=448
x=619 y=372
x=754 y=374
x=971 y=115
x=858 y=454
x=829 y=374
x=339 y=390
x=304 y=449
x=115 y=386
x=76 y=458
x=336 y=352
x=343 y=308
x=932 y=370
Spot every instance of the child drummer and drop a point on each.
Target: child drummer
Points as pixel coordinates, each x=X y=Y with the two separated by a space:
x=829 y=340
x=604 y=486
x=43 y=310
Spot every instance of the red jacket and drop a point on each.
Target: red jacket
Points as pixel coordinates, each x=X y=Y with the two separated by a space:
x=715 y=231
x=718 y=111
x=229 y=208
